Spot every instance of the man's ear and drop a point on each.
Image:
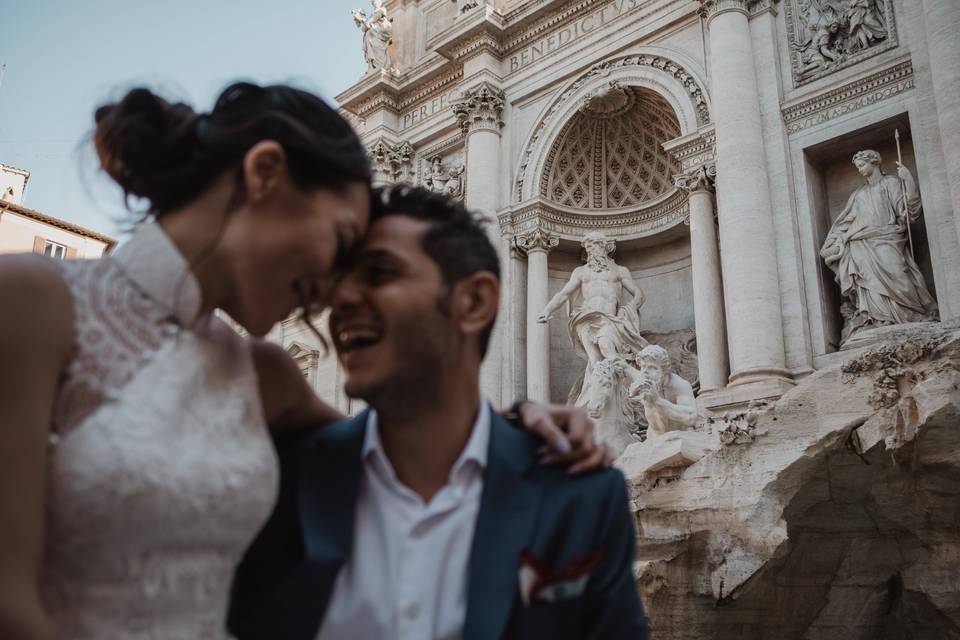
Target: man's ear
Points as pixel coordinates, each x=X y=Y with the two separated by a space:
x=476 y=299
x=264 y=169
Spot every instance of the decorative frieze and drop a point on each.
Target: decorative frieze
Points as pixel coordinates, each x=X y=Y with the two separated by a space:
x=391 y=162
x=571 y=224
x=852 y=96
x=536 y=240
x=480 y=109
x=828 y=35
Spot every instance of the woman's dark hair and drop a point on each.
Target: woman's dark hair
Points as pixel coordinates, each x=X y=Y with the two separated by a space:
x=169 y=154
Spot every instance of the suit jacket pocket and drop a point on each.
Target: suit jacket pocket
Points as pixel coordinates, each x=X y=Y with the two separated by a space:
x=545 y=620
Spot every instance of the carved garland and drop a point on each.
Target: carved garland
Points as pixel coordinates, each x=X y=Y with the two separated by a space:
x=696 y=92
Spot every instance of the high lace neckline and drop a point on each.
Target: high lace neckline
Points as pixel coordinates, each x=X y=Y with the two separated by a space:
x=155 y=265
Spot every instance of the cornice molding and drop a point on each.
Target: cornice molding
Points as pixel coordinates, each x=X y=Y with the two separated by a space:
x=852 y=96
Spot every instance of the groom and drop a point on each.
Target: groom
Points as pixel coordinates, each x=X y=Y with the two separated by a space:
x=428 y=516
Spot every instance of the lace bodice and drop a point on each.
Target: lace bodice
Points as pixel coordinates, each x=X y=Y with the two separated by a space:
x=161 y=470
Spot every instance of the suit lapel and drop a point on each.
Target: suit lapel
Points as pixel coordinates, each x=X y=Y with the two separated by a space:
x=508 y=512
x=327 y=503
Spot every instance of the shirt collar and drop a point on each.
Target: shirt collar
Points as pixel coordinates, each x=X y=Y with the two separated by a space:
x=157 y=267
x=476 y=449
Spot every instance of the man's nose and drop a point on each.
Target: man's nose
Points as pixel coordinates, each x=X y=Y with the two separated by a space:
x=346 y=293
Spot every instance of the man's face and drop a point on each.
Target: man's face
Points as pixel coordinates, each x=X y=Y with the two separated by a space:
x=651 y=370
x=595 y=250
x=388 y=320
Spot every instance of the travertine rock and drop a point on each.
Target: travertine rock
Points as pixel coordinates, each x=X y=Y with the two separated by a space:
x=839 y=520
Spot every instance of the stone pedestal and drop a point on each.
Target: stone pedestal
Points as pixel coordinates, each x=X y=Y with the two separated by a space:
x=537 y=244
x=942 y=19
x=747 y=242
x=479 y=113
x=707 y=283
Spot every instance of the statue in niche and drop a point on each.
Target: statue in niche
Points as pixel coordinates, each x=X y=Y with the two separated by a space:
x=377 y=35
x=835 y=30
x=605 y=331
x=442 y=180
x=666 y=398
x=867 y=249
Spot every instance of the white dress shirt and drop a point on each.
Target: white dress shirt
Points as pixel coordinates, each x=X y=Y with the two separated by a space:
x=406 y=577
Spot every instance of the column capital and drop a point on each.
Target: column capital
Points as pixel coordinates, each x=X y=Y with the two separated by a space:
x=536 y=240
x=480 y=108
x=709 y=9
x=698 y=179
x=391 y=162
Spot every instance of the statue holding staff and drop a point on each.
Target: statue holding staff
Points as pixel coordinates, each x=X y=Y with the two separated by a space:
x=880 y=283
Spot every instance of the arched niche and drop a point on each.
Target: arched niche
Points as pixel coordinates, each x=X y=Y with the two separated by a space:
x=652 y=70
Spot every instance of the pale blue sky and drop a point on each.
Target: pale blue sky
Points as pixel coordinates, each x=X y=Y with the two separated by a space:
x=65 y=57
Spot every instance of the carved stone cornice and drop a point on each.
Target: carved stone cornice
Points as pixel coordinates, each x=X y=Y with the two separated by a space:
x=695 y=149
x=536 y=240
x=480 y=109
x=852 y=96
x=621 y=224
x=700 y=179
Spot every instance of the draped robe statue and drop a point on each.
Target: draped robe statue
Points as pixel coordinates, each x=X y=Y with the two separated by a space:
x=377 y=34
x=880 y=283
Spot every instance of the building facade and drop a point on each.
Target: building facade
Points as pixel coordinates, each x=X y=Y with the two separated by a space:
x=710 y=139
x=25 y=230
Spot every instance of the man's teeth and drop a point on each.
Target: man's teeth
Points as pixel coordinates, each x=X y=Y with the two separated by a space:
x=350 y=338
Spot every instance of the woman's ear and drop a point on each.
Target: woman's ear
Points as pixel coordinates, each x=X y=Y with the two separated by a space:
x=476 y=299
x=264 y=168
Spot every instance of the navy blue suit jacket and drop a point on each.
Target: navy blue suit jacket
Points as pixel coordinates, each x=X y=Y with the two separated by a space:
x=284 y=584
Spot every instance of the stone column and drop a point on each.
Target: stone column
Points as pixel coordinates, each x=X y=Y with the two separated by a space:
x=479 y=113
x=537 y=244
x=707 y=282
x=942 y=19
x=747 y=242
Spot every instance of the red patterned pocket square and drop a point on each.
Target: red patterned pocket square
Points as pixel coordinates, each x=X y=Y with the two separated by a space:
x=538 y=583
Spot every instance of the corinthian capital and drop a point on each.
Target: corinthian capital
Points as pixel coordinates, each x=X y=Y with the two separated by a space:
x=712 y=8
x=536 y=240
x=698 y=179
x=480 y=109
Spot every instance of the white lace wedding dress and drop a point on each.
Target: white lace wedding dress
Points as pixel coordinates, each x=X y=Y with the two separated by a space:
x=161 y=470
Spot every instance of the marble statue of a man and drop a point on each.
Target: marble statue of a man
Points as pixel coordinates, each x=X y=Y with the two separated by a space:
x=667 y=399
x=600 y=325
x=880 y=283
x=377 y=34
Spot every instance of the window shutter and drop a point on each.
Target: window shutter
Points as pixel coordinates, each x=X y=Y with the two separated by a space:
x=71 y=253
x=38 y=243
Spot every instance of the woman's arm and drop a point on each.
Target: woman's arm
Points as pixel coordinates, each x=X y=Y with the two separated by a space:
x=289 y=404
x=36 y=334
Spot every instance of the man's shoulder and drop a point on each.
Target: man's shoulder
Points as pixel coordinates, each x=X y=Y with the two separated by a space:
x=341 y=433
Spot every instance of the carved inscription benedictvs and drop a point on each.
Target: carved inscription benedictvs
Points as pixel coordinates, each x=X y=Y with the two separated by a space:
x=571 y=32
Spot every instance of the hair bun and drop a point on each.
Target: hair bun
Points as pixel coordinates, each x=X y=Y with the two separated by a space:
x=142 y=137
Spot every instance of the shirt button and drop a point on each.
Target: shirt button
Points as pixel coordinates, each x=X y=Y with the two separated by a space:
x=412 y=611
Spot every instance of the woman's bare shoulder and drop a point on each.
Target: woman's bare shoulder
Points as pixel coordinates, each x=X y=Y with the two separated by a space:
x=36 y=297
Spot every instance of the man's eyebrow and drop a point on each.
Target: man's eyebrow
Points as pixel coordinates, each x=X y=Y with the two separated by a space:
x=375 y=254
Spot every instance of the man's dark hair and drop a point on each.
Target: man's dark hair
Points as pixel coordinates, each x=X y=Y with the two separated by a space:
x=456 y=239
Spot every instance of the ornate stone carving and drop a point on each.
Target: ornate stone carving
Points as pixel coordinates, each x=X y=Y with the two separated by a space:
x=391 y=162
x=667 y=399
x=480 y=109
x=610 y=154
x=446 y=180
x=850 y=97
x=536 y=240
x=690 y=84
x=605 y=332
x=867 y=248
x=739 y=427
x=377 y=35
x=700 y=179
x=465 y=5
x=827 y=35
x=572 y=224
x=890 y=365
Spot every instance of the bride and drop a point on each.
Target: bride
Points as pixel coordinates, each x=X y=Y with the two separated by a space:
x=136 y=463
